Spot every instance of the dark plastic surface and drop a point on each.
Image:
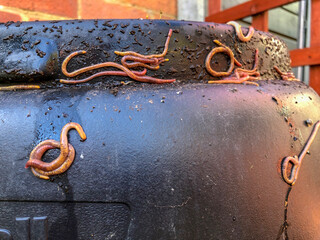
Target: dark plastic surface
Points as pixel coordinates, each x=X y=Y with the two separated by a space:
x=194 y=161
x=36 y=50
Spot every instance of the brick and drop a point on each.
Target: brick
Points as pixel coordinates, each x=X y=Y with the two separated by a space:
x=44 y=18
x=167 y=17
x=168 y=7
x=66 y=8
x=5 y=17
x=101 y=9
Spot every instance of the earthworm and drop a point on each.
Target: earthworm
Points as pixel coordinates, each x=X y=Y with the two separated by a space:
x=64 y=149
x=37 y=154
x=19 y=87
x=241 y=75
x=245 y=75
x=288 y=76
x=142 y=62
x=239 y=33
x=297 y=160
x=165 y=50
x=89 y=68
x=255 y=65
x=244 y=79
x=223 y=49
x=103 y=73
x=310 y=140
x=81 y=70
x=51 y=144
x=129 y=73
x=252 y=83
x=231 y=80
x=139 y=60
x=39 y=150
x=241 y=72
x=222 y=45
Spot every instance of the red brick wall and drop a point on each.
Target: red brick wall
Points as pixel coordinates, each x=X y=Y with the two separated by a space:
x=30 y=10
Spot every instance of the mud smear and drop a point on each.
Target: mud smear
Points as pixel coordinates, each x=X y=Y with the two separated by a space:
x=283 y=231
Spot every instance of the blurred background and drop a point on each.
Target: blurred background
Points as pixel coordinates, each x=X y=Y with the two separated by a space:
x=291 y=21
x=30 y=10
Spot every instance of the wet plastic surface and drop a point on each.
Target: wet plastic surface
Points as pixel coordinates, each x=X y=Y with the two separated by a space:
x=36 y=50
x=191 y=161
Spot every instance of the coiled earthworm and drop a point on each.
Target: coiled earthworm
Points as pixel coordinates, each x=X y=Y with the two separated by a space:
x=36 y=154
x=288 y=76
x=19 y=87
x=297 y=160
x=165 y=50
x=51 y=144
x=239 y=33
x=241 y=75
x=222 y=49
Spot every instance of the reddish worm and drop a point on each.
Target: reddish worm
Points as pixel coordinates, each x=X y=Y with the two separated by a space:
x=142 y=62
x=239 y=33
x=297 y=160
x=222 y=49
x=240 y=75
x=104 y=73
x=90 y=68
x=165 y=50
x=245 y=76
x=19 y=87
x=51 y=144
x=64 y=160
x=288 y=76
x=139 y=60
x=128 y=73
